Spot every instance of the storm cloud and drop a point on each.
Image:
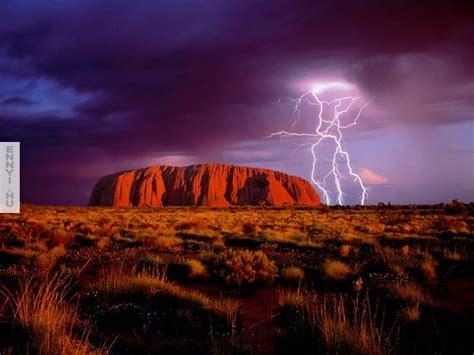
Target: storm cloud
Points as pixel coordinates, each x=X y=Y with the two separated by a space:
x=91 y=87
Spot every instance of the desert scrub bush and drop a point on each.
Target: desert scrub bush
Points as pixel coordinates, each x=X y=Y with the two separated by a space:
x=336 y=270
x=88 y=229
x=405 y=251
x=182 y=268
x=61 y=237
x=118 y=281
x=190 y=225
x=455 y=207
x=179 y=268
x=37 y=256
x=344 y=250
x=290 y=299
x=168 y=242
x=147 y=300
x=292 y=274
x=407 y=260
x=424 y=269
x=128 y=240
x=218 y=243
x=454 y=254
x=242 y=268
x=428 y=268
x=251 y=228
x=85 y=240
x=207 y=255
x=40 y=309
x=336 y=325
x=46 y=261
x=103 y=243
x=411 y=313
x=151 y=283
x=196 y=268
x=229 y=308
x=408 y=291
x=33 y=231
x=151 y=263
x=108 y=230
x=16 y=254
x=289 y=237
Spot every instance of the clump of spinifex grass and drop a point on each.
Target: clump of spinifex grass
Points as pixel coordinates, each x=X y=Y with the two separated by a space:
x=345 y=250
x=408 y=291
x=292 y=274
x=411 y=313
x=153 y=284
x=177 y=268
x=334 y=324
x=336 y=270
x=454 y=254
x=38 y=256
x=40 y=310
x=146 y=303
x=408 y=261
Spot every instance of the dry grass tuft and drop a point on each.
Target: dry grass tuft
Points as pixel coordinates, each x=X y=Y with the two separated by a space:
x=408 y=291
x=406 y=251
x=51 y=323
x=336 y=269
x=359 y=329
x=117 y=280
x=345 y=250
x=196 y=268
x=168 y=242
x=411 y=313
x=453 y=255
x=184 y=268
x=336 y=325
x=292 y=273
x=250 y=228
x=152 y=283
x=207 y=256
x=103 y=242
x=290 y=299
x=229 y=308
x=428 y=269
x=46 y=261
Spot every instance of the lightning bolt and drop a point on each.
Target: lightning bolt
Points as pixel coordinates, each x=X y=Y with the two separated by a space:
x=329 y=130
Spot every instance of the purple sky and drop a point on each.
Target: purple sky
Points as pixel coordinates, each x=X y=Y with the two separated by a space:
x=92 y=87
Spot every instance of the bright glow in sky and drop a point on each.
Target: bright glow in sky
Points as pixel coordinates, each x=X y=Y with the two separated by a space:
x=183 y=83
x=319 y=87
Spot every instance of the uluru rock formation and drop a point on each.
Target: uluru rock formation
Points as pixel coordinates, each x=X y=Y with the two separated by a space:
x=213 y=185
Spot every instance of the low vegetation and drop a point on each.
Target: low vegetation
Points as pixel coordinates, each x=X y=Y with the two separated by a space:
x=292 y=274
x=47 y=324
x=242 y=268
x=336 y=324
x=336 y=270
x=360 y=280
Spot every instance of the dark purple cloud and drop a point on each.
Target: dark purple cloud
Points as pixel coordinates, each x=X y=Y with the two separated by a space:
x=92 y=86
x=17 y=101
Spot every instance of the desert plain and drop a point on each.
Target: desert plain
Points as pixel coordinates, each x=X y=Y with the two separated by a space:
x=382 y=279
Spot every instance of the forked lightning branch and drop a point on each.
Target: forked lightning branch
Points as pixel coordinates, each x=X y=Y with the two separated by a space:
x=329 y=128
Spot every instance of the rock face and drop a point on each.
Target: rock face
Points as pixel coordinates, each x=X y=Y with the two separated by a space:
x=214 y=185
